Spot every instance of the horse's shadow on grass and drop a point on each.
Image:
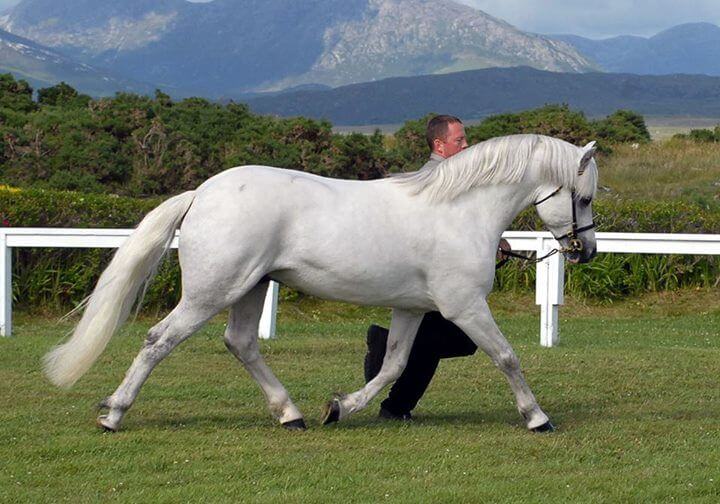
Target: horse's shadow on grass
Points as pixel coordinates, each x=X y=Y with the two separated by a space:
x=578 y=414
x=195 y=422
x=363 y=421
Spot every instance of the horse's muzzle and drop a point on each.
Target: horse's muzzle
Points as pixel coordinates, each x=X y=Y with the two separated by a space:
x=579 y=255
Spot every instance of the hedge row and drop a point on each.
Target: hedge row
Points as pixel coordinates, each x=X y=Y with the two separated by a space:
x=144 y=146
x=57 y=279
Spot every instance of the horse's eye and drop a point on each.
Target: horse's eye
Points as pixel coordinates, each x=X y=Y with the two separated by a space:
x=585 y=201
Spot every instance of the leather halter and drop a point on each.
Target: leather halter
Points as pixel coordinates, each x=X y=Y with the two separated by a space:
x=575 y=243
x=572 y=235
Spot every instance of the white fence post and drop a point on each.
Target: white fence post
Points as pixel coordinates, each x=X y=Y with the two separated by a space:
x=5 y=286
x=549 y=287
x=269 y=313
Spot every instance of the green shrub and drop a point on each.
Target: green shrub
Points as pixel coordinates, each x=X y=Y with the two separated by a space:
x=146 y=146
x=701 y=135
x=58 y=279
x=623 y=126
x=552 y=120
x=62 y=94
x=16 y=95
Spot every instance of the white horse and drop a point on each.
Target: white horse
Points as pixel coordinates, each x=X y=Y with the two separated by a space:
x=416 y=242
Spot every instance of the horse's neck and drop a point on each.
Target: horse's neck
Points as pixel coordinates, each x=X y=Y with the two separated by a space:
x=498 y=205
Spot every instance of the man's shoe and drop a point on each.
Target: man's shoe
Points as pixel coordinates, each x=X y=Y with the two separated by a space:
x=389 y=415
x=376 y=344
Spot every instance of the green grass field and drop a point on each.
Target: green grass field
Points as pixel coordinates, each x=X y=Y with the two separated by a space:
x=633 y=389
x=662 y=171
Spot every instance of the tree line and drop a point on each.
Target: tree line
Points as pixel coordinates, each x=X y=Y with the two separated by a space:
x=133 y=145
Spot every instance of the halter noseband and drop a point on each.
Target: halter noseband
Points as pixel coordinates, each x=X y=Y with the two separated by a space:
x=572 y=235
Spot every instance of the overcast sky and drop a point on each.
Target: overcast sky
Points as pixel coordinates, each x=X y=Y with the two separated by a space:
x=595 y=19
x=600 y=18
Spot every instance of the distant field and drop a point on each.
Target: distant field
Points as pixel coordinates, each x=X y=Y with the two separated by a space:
x=633 y=389
x=660 y=128
x=662 y=170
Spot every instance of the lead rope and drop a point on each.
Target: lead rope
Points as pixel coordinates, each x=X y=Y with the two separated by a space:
x=510 y=253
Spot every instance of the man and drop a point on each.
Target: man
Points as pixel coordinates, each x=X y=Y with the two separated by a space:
x=436 y=338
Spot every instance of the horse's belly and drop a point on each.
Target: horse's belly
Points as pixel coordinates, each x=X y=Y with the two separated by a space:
x=389 y=291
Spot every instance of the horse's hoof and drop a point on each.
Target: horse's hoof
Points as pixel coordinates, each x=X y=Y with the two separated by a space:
x=296 y=425
x=331 y=412
x=104 y=424
x=544 y=428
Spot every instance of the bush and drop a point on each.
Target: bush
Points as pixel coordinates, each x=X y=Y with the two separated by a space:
x=62 y=95
x=558 y=121
x=623 y=126
x=16 y=95
x=701 y=135
x=141 y=146
x=145 y=146
x=552 y=120
x=58 y=279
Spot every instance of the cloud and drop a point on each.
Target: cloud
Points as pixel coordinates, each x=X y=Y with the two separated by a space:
x=602 y=18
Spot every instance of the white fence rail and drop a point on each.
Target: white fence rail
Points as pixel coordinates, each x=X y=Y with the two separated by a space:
x=86 y=238
x=548 y=288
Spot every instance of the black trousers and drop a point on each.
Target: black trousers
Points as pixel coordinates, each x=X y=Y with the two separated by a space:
x=436 y=339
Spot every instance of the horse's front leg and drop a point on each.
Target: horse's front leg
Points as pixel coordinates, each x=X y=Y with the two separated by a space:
x=403 y=328
x=477 y=322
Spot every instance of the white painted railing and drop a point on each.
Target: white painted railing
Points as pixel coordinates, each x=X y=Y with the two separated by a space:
x=86 y=238
x=550 y=278
x=548 y=287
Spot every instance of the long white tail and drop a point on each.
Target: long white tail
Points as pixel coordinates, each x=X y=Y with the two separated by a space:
x=116 y=291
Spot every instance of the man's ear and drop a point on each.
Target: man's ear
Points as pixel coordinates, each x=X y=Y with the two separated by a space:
x=588 y=152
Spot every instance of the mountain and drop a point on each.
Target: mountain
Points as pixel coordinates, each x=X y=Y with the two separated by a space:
x=692 y=48
x=226 y=47
x=45 y=67
x=479 y=93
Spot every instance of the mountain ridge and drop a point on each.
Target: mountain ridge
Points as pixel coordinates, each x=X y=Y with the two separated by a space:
x=692 y=48
x=217 y=49
x=476 y=94
x=44 y=67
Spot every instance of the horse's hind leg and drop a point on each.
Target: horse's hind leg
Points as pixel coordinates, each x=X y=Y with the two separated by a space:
x=241 y=338
x=180 y=324
x=403 y=328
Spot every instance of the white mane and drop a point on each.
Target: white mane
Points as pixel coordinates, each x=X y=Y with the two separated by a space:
x=503 y=160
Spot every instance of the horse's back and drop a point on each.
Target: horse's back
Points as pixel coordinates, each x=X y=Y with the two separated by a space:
x=328 y=237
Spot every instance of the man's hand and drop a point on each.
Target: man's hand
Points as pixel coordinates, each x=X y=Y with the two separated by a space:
x=502 y=247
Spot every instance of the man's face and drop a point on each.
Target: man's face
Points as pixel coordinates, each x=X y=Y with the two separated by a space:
x=453 y=143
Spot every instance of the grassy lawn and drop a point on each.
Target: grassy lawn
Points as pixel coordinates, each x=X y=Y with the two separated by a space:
x=662 y=171
x=632 y=388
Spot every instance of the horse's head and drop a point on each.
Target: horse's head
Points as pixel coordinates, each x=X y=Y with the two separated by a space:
x=567 y=211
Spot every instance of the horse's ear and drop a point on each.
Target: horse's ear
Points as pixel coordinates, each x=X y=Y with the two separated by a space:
x=588 y=152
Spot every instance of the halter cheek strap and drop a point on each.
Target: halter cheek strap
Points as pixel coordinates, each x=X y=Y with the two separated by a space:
x=575 y=243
